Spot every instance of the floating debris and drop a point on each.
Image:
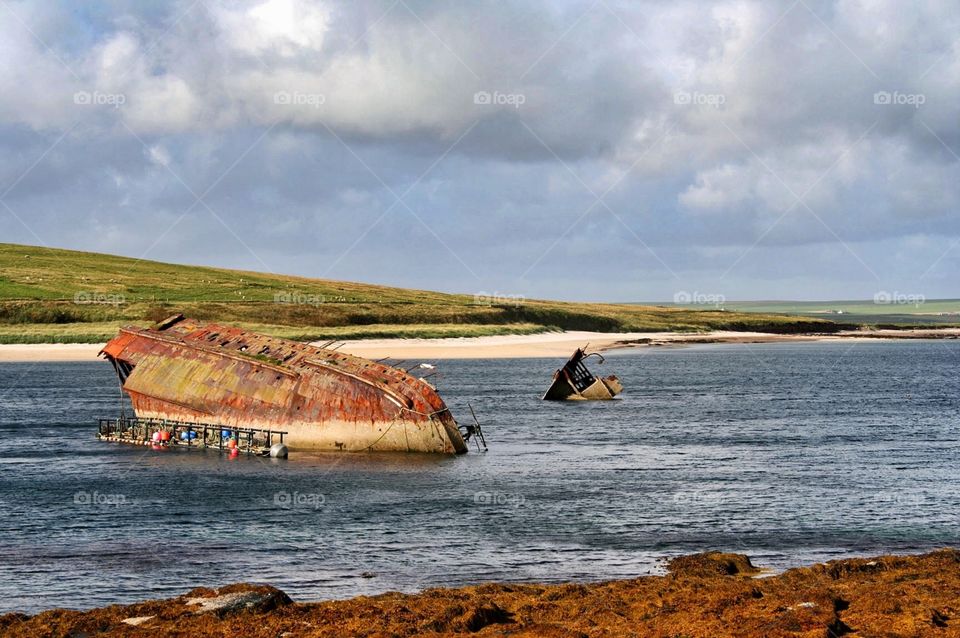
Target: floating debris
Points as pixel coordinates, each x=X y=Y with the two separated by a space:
x=573 y=382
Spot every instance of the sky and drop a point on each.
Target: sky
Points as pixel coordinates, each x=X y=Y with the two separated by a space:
x=597 y=150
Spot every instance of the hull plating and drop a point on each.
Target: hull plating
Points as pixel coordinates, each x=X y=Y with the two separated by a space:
x=325 y=400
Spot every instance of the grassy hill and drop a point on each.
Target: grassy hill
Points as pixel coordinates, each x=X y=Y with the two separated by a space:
x=60 y=296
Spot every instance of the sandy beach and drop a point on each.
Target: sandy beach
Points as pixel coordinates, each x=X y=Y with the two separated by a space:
x=549 y=344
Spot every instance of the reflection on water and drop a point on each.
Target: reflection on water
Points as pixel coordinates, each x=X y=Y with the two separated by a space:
x=788 y=452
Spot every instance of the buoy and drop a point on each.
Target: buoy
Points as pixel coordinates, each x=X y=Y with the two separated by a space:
x=278 y=451
x=225 y=434
x=164 y=435
x=232 y=444
x=156 y=436
x=188 y=436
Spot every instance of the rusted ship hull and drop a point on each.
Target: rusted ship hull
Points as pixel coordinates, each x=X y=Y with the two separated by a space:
x=187 y=370
x=573 y=382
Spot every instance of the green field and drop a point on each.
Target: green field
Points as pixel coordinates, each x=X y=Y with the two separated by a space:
x=889 y=310
x=58 y=296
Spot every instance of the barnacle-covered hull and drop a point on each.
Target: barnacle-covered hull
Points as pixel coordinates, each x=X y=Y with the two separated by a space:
x=188 y=370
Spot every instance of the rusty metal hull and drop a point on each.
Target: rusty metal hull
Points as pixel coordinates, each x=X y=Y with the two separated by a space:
x=573 y=382
x=328 y=401
x=600 y=390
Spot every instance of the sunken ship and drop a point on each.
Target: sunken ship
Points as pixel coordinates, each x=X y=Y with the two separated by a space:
x=191 y=371
x=573 y=382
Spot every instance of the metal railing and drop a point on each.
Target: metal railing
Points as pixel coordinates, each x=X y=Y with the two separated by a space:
x=189 y=434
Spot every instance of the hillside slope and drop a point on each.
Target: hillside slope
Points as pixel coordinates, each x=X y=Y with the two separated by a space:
x=55 y=295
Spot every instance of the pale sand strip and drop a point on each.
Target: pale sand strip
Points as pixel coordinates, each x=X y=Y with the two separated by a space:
x=551 y=344
x=49 y=351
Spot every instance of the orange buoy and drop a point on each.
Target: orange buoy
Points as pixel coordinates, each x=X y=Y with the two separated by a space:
x=232 y=444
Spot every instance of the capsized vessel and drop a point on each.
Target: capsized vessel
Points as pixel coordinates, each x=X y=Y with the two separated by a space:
x=187 y=370
x=573 y=382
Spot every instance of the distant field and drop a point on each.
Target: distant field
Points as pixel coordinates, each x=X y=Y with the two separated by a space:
x=900 y=310
x=53 y=295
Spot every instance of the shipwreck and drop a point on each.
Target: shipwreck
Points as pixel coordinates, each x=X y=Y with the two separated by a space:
x=187 y=371
x=574 y=382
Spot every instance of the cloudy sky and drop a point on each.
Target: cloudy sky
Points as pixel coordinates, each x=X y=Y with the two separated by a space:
x=596 y=150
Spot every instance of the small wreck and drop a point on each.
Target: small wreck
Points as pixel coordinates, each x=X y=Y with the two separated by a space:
x=573 y=382
x=185 y=370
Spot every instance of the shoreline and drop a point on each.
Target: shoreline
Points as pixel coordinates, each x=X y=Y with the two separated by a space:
x=709 y=594
x=546 y=344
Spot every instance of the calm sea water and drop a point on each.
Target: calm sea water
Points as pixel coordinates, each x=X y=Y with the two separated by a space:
x=789 y=453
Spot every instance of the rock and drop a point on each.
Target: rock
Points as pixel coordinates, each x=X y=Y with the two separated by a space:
x=712 y=564
x=260 y=599
x=137 y=620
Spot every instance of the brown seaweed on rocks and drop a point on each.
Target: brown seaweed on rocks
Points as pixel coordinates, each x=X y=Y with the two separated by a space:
x=704 y=595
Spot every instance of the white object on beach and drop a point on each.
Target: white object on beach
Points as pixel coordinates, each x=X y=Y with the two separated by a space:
x=137 y=620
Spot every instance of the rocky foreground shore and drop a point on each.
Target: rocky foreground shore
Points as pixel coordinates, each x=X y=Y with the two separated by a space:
x=702 y=595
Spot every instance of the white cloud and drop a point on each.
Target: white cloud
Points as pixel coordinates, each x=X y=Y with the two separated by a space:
x=200 y=83
x=283 y=27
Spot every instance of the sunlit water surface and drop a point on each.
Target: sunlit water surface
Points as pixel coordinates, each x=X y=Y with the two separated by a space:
x=790 y=453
